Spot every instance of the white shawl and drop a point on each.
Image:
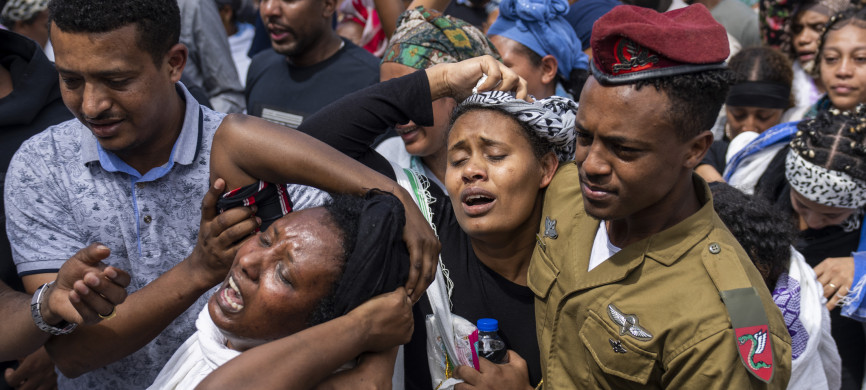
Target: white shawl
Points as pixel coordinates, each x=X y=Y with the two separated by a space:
x=200 y=354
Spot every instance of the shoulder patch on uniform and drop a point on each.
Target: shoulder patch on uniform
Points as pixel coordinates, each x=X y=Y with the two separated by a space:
x=751 y=331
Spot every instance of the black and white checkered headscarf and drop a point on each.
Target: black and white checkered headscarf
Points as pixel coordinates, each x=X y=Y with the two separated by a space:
x=22 y=10
x=551 y=118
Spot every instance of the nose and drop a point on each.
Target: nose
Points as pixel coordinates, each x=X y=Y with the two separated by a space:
x=750 y=124
x=804 y=37
x=845 y=68
x=269 y=8
x=474 y=170
x=814 y=220
x=94 y=101
x=594 y=164
x=250 y=260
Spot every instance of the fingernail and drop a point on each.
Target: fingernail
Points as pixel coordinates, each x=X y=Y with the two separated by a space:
x=410 y=291
x=101 y=247
x=258 y=220
x=111 y=272
x=92 y=280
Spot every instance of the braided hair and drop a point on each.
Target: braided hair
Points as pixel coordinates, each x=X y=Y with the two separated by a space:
x=835 y=140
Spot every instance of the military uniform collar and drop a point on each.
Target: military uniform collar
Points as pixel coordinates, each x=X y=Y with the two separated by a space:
x=670 y=244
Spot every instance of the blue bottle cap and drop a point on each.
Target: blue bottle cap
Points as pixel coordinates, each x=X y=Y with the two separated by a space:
x=488 y=325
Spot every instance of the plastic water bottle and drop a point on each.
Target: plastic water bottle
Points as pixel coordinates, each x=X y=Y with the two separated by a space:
x=490 y=346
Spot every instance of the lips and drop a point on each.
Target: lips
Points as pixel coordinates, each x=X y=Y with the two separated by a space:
x=278 y=32
x=229 y=297
x=596 y=193
x=806 y=56
x=104 y=128
x=843 y=89
x=477 y=201
x=408 y=133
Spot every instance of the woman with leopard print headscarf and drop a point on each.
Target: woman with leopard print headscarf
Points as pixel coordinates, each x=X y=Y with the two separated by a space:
x=820 y=180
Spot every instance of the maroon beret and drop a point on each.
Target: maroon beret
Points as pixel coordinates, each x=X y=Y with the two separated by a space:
x=632 y=43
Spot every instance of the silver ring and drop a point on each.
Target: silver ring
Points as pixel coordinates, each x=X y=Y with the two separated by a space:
x=833 y=286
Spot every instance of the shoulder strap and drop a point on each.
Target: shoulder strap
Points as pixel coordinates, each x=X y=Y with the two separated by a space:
x=745 y=309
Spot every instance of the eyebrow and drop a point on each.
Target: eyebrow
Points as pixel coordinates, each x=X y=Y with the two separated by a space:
x=615 y=139
x=101 y=74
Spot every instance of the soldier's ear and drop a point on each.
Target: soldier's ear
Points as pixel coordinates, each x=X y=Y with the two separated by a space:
x=697 y=148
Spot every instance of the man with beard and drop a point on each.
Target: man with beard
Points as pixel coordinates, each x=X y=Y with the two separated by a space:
x=310 y=65
x=638 y=283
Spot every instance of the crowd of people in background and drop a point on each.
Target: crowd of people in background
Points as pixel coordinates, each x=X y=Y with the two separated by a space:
x=332 y=193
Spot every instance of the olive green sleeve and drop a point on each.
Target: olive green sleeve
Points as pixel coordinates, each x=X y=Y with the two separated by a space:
x=714 y=363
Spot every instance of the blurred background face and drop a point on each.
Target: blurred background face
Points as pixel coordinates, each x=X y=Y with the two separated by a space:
x=493 y=176
x=843 y=66
x=514 y=56
x=815 y=215
x=293 y=25
x=755 y=119
x=421 y=141
x=807 y=28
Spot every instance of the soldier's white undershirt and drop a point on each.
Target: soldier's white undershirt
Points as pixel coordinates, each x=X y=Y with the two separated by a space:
x=602 y=248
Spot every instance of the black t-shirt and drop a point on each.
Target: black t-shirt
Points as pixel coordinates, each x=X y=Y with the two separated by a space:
x=286 y=94
x=479 y=292
x=715 y=156
x=353 y=123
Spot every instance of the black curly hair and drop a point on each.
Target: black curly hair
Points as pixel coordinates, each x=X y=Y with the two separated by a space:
x=695 y=99
x=764 y=233
x=835 y=140
x=157 y=21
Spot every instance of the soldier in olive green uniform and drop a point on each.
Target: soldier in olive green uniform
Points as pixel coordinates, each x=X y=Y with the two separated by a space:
x=680 y=305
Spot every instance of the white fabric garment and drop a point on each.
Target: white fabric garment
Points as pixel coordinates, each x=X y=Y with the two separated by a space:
x=197 y=357
x=819 y=365
x=602 y=248
x=746 y=177
x=805 y=94
x=240 y=43
x=394 y=150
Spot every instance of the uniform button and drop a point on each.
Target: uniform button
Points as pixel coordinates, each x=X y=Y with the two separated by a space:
x=715 y=248
x=147 y=219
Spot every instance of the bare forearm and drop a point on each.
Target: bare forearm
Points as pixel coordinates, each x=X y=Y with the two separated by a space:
x=299 y=361
x=139 y=319
x=375 y=371
x=20 y=335
x=247 y=149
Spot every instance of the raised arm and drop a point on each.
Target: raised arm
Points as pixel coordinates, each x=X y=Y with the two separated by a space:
x=352 y=123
